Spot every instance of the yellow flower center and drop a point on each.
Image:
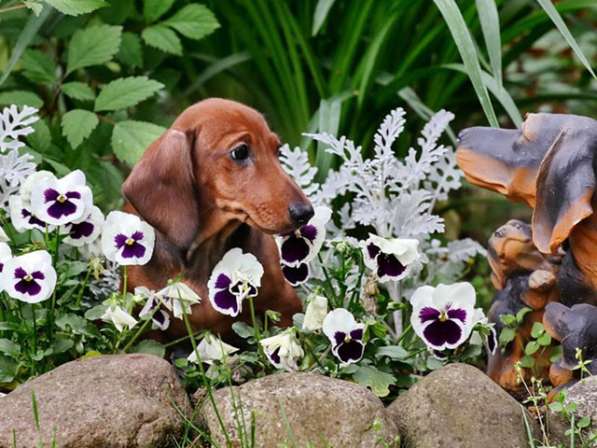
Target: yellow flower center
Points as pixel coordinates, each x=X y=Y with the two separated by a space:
x=61 y=199
x=130 y=242
x=28 y=278
x=443 y=316
x=347 y=338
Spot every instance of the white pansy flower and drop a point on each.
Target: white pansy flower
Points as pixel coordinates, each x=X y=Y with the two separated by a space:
x=345 y=335
x=119 y=318
x=283 y=350
x=30 y=278
x=390 y=259
x=316 y=311
x=210 y=349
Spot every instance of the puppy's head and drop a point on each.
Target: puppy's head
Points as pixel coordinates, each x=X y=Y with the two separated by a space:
x=219 y=155
x=548 y=163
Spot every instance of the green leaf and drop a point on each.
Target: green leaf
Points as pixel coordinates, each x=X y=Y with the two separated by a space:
x=527 y=362
x=242 y=329
x=150 y=347
x=379 y=382
x=126 y=92
x=95 y=45
x=9 y=348
x=162 y=38
x=193 y=21
x=544 y=340
x=130 y=52
x=154 y=9
x=21 y=98
x=396 y=352
x=537 y=330
x=522 y=313
x=77 y=125
x=555 y=17
x=25 y=38
x=490 y=26
x=41 y=139
x=130 y=139
x=76 y=7
x=508 y=319
x=62 y=344
x=78 y=91
x=321 y=12
x=38 y=67
x=507 y=335
x=531 y=348
x=468 y=52
x=584 y=422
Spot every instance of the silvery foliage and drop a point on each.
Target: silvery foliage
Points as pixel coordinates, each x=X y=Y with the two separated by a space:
x=395 y=197
x=14 y=167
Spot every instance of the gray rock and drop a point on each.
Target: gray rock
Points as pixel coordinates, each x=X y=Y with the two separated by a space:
x=458 y=406
x=295 y=409
x=118 y=401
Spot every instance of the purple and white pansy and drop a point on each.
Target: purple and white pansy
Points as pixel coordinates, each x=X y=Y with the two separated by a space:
x=283 y=350
x=61 y=201
x=390 y=259
x=298 y=248
x=30 y=278
x=443 y=317
x=236 y=277
x=160 y=319
x=178 y=298
x=21 y=211
x=85 y=230
x=127 y=240
x=345 y=335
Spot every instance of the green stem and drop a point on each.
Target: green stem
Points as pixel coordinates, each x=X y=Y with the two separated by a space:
x=12 y=8
x=138 y=333
x=83 y=286
x=124 y=281
x=51 y=317
x=206 y=382
x=256 y=330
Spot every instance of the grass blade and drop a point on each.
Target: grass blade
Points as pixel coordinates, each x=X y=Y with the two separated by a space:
x=27 y=35
x=468 y=53
x=498 y=92
x=219 y=66
x=555 y=17
x=490 y=26
x=329 y=121
x=321 y=12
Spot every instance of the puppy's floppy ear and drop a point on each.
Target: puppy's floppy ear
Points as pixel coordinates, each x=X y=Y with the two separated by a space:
x=565 y=184
x=162 y=187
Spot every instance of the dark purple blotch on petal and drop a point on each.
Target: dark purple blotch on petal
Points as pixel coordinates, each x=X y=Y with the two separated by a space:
x=339 y=337
x=440 y=332
x=350 y=351
x=1 y=267
x=26 y=285
x=427 y=313
x=223 y=281
x=135 y=249
x=225 y=300
x=457 y=313
x=372 y=250
x=275 y=356
x=61 y=208
x=294 y=249
x=296 y=275
x=388 y=264
x=81 y=230
x=32 y=220
x=309 y=231
x=357 y=334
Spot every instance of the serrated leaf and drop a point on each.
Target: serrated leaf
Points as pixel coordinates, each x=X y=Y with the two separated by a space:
x=193 y=21
x=379 y=382
x=126 y=92
x=130 y=52
x=162 y=38
x=76 y=7
x=38 y=67
x=21 y=98
x=150 y=347
x=154 y=9
x=95 y=45
x=131 y=138
x=77 y=125
x=78 y=91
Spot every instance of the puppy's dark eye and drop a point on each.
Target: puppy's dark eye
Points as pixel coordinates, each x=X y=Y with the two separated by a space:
x=240 y=153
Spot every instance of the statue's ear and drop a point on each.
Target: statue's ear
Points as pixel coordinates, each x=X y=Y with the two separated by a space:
x=565 y=184
x=162 y=187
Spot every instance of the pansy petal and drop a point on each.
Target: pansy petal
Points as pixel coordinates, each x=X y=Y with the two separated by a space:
x=296 y=275
x=443 y=334
x=294 y=250
x=350 y=352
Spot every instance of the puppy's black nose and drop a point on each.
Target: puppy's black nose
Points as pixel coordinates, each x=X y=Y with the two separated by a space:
x=300 y=213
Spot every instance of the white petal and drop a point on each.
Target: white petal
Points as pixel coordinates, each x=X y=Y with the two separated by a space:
x=127 y=224
x=96 y=217
x=339 y=319
x=119 y=317
x=315 y=314
x=32 y=182
x=212 y=349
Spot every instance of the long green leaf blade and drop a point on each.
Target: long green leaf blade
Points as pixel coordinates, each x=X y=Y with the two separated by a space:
x=321 y=12
x=27 y=35
x=468 y=53
x=490 y=26
x=553 y=14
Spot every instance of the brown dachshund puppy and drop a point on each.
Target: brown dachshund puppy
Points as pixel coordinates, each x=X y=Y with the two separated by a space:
x=210 y=183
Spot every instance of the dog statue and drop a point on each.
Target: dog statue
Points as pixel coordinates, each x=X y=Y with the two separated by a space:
x=210 y=183
x=550 y=164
